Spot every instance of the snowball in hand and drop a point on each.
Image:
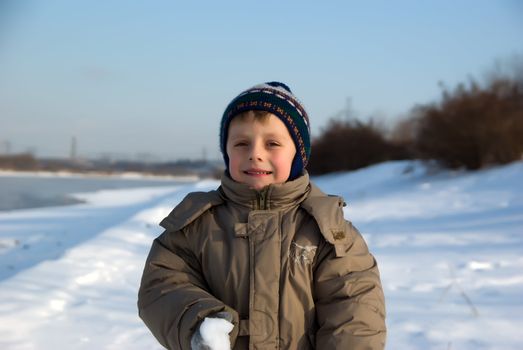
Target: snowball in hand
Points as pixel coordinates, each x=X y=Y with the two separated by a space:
x=215 y=333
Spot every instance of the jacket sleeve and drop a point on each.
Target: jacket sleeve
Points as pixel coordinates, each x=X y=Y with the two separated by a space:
x=173 y=298
x=350 y=305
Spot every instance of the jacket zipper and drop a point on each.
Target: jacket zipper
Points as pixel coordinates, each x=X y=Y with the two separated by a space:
x=262 y=199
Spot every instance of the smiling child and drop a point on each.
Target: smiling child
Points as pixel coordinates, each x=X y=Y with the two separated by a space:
x=266 y=261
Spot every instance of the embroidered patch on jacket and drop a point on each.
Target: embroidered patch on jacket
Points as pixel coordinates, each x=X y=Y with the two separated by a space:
x=303 y=255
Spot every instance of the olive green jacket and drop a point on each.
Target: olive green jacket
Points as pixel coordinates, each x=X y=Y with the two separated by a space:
x=284 y=262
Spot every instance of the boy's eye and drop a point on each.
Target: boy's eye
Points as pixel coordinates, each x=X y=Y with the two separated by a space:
x=240 y=144
x=273 y=144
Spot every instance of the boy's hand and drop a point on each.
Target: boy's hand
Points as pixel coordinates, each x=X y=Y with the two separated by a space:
x=213 y=333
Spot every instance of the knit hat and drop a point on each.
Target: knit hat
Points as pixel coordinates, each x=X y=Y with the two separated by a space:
x=275 y=98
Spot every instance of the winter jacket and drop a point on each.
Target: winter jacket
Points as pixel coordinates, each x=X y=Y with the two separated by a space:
x=283 y=261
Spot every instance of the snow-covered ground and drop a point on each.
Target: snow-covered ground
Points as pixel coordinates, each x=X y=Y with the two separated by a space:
x=449 y=245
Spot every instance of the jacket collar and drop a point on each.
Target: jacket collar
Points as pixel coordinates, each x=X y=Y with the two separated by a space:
x=272 y=197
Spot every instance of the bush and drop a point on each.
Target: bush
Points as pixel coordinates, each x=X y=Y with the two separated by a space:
x=349 y=145
x=472 y=126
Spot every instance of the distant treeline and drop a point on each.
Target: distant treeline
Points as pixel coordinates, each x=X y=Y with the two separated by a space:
x=27 y=162
x=471 y=127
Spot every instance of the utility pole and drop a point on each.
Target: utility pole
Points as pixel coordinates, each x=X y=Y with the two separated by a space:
x=6 y=147
x=72 y=153
x=204 y=155
x=348 y=112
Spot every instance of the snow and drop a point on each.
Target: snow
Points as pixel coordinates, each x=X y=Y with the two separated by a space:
x=215 y=333
x=449 y=245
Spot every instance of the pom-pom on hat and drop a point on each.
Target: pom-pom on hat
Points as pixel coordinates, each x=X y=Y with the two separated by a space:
x=278 y=99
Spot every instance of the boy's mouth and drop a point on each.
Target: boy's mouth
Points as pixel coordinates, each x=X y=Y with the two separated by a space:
x=256 y=172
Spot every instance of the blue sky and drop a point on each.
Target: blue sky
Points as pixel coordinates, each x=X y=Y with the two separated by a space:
x=129 y=78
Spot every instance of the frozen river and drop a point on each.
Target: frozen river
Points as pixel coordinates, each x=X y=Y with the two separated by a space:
x=22 y=191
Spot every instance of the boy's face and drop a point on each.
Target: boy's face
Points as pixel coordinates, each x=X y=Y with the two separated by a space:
x=260 y=152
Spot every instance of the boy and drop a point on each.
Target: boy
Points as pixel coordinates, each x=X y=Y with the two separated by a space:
x=266 y=261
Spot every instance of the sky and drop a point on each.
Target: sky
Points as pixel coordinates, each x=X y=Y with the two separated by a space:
x=150 y=79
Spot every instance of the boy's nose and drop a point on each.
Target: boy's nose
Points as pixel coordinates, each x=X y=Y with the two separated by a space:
x=256 y=153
